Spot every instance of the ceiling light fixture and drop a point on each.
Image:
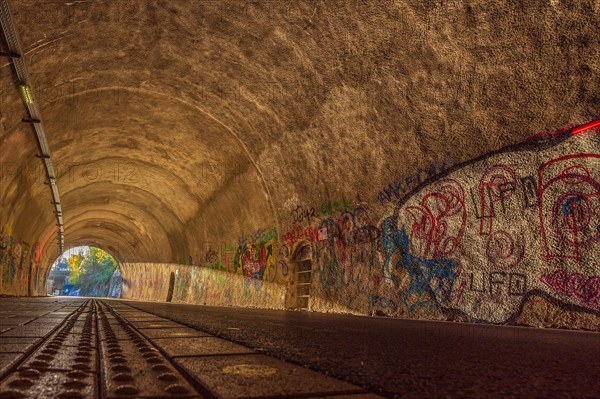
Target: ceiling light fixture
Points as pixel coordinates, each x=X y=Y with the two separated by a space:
x=26 y=94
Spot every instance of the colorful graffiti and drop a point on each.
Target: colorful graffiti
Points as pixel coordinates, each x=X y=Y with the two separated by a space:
x=302 y=214
x=398 y=189
x=255 y=257
x=195 y=284
x=582 y=288
x=20 y=272
x=346 y=254
x=231 y=273
x=492 y=231
x=476 y=240
x=569 y=212
x=431 y=280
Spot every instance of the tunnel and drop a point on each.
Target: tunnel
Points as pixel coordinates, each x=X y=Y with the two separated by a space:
x=293 y=189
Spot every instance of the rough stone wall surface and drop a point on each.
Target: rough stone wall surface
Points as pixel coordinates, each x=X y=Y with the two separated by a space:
x=199 y=285
x=242 y=273
x=115 y=286
x=193 y=128
x=511 y=237
x=21 y=272
x=476 y=243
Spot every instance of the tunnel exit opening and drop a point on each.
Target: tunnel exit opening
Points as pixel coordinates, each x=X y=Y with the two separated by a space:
x=85 y=271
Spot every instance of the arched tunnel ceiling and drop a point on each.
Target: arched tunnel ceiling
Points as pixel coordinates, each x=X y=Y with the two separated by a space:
x=175 y=122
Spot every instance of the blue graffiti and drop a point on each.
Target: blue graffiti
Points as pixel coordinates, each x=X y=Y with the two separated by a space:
x=397 y=189
x=391 y=242
x=568 y=206
x=255 y=282
x=433 y=276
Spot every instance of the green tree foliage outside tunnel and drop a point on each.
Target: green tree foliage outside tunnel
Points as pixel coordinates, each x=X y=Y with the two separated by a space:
x=91 y=273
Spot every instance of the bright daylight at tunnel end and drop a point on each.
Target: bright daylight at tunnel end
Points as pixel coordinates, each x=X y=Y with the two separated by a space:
x=299 y=199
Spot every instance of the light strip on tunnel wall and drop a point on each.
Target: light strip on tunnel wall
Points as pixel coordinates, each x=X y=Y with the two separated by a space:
x=587 y=126
x=14 y=52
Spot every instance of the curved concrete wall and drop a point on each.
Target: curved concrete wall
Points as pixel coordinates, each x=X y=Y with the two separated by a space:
x=511 y=237
x=261 y=138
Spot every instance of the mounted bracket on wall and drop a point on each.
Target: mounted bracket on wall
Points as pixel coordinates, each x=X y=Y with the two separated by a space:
x=9 y=54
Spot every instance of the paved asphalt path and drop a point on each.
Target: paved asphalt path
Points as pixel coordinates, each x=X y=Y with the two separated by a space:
x=411 y=359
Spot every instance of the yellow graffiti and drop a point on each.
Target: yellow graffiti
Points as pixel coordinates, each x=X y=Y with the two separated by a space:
x=270 y=258
x=250 y=370
x=8 y=230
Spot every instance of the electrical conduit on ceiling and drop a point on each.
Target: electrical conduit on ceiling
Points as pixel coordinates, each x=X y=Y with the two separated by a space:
x=14 y=53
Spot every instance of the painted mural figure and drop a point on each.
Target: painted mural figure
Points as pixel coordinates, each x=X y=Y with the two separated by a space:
x=523 y=234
